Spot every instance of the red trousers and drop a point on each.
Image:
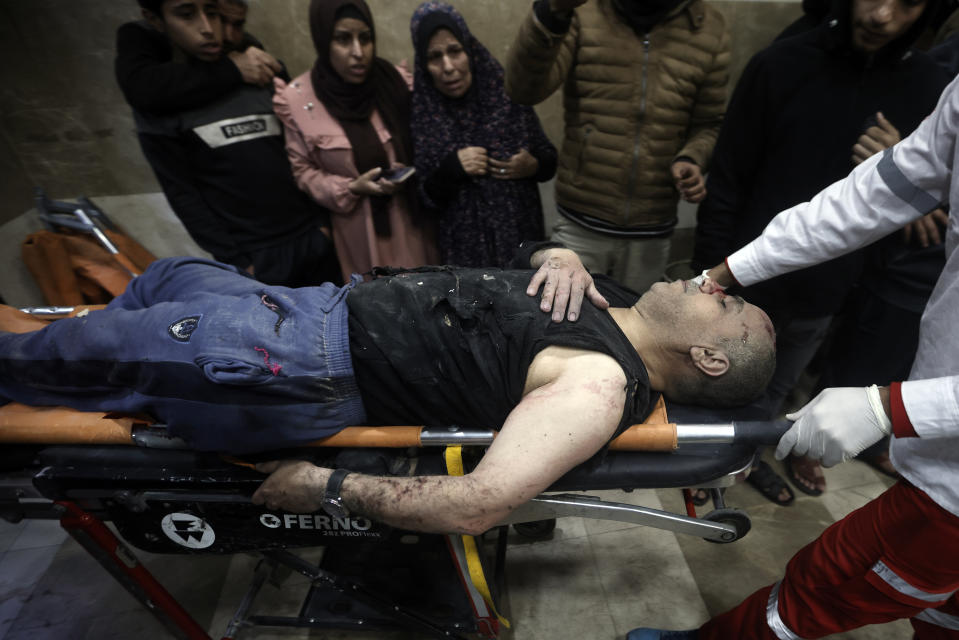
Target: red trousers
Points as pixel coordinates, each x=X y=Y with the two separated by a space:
x=896 y=557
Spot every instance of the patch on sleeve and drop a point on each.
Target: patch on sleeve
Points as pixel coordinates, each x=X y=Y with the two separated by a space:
x=182 y=329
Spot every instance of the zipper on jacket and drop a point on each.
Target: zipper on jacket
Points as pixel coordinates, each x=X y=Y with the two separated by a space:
x=631 y=184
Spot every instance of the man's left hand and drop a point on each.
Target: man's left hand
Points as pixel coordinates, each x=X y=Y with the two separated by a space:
x=567 y=282
x=688 y=178
x=293 y=485
x=838 y=425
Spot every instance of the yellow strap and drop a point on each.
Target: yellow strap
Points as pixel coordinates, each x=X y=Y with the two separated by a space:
x=454 y=467
x=454 y=461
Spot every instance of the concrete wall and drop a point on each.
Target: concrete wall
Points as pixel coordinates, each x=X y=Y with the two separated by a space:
x=65 y=126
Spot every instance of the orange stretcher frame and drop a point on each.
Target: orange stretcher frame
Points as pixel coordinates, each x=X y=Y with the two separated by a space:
x=20 y=424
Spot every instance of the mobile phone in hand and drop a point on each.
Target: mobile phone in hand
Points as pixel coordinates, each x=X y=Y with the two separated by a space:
x=398 y=175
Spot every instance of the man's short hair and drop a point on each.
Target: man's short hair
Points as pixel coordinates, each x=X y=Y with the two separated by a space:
x=243 y=3
x=751 y=367
x=153 y=6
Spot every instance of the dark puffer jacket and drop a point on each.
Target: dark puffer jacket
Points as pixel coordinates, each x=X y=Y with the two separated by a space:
x=799 y=107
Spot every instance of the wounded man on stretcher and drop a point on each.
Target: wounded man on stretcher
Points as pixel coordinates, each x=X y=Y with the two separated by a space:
x=231 y=364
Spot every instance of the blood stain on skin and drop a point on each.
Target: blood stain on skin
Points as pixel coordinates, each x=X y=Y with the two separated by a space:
x=770 y=329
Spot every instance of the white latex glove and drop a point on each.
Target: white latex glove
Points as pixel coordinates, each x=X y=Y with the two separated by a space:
x=836 y=426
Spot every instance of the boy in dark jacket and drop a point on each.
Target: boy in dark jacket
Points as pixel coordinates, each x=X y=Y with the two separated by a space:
x=209 y=132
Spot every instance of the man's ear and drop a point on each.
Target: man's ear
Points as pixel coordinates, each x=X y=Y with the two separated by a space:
x=154 y=20
x=711 y=361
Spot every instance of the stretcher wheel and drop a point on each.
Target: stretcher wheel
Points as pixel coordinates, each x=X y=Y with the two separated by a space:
x=736 y=517
x=536 y=530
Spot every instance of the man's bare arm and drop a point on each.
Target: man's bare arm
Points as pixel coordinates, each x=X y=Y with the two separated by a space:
x=559 y=424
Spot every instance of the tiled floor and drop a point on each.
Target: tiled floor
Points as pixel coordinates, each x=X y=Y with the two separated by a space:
x=592 y=579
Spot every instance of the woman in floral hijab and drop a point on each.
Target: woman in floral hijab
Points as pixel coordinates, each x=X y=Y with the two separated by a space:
x=478 y=155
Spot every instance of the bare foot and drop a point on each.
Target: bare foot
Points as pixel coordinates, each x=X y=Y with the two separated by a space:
x=806 y=474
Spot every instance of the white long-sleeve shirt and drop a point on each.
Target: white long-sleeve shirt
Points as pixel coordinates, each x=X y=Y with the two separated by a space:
x=880 y=196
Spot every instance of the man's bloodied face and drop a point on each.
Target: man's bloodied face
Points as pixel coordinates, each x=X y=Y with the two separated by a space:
x=703 y=318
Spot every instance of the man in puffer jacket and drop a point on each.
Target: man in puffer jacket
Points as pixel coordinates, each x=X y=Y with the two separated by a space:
x=644 y=88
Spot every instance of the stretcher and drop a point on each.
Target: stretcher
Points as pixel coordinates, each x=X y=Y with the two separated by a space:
x=89 y=469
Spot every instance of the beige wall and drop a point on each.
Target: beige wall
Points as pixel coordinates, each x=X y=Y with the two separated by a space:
x=65 y=126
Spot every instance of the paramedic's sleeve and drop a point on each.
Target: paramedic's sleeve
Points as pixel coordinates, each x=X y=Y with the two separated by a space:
x=925 y=408
x=173 y=172
x=880 y=196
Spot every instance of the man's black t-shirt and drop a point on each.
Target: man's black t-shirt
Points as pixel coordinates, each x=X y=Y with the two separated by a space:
x=444 y=346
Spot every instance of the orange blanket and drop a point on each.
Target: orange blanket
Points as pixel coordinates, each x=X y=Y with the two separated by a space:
x=73 y=269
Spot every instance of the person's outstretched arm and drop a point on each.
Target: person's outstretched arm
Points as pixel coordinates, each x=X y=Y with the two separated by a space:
x=557 y=426
x=151 y=81
x=543 y=51
x=881 y=195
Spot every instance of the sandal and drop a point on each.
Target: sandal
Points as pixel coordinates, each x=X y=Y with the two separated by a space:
x=801 y=480
x=768 y=483
x=699 y=496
